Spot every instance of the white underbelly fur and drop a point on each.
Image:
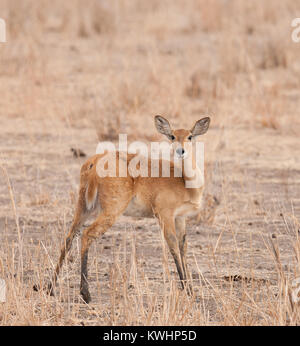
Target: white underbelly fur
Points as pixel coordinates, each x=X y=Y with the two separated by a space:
x=138 y=209
x=189 y=209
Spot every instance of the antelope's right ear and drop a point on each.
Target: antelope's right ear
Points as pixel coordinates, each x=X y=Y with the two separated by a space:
x=163 y=126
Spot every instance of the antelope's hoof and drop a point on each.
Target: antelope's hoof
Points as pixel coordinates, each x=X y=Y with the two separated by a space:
x=48 y=288
x=187 y=288
x=85 y=294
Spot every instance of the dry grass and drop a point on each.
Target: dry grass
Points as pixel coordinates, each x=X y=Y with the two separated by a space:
x=72 y=74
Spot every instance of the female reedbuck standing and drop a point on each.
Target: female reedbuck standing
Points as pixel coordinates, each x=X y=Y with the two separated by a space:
x=167 y=198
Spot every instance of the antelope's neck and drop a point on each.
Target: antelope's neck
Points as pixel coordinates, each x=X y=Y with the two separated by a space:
x=194 y=179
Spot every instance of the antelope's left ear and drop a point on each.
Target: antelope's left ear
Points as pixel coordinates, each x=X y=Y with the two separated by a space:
x=163 y=126
x=200 y=127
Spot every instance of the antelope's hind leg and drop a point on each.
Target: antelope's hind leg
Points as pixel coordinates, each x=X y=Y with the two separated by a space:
x=116 y=201
x=94 y=231
x=87 y=203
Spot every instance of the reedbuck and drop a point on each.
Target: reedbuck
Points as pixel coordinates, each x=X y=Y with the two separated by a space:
x=166 y=198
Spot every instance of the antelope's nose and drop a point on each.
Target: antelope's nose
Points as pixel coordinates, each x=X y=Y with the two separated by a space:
x=180 y=151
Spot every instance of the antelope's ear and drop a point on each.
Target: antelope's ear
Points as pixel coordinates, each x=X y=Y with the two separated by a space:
x=163 y=126
x=200 y=127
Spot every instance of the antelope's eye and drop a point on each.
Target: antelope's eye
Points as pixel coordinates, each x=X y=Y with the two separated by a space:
x=172 y=137
x=190 y=137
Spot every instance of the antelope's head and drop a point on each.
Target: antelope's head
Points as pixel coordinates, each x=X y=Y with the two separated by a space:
x=178 y=138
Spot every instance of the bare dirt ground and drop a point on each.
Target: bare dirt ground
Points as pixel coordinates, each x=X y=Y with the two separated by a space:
x=61 y=90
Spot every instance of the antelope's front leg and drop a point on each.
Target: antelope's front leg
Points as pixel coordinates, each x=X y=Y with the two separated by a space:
x=167 y=224
x=181 y=236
